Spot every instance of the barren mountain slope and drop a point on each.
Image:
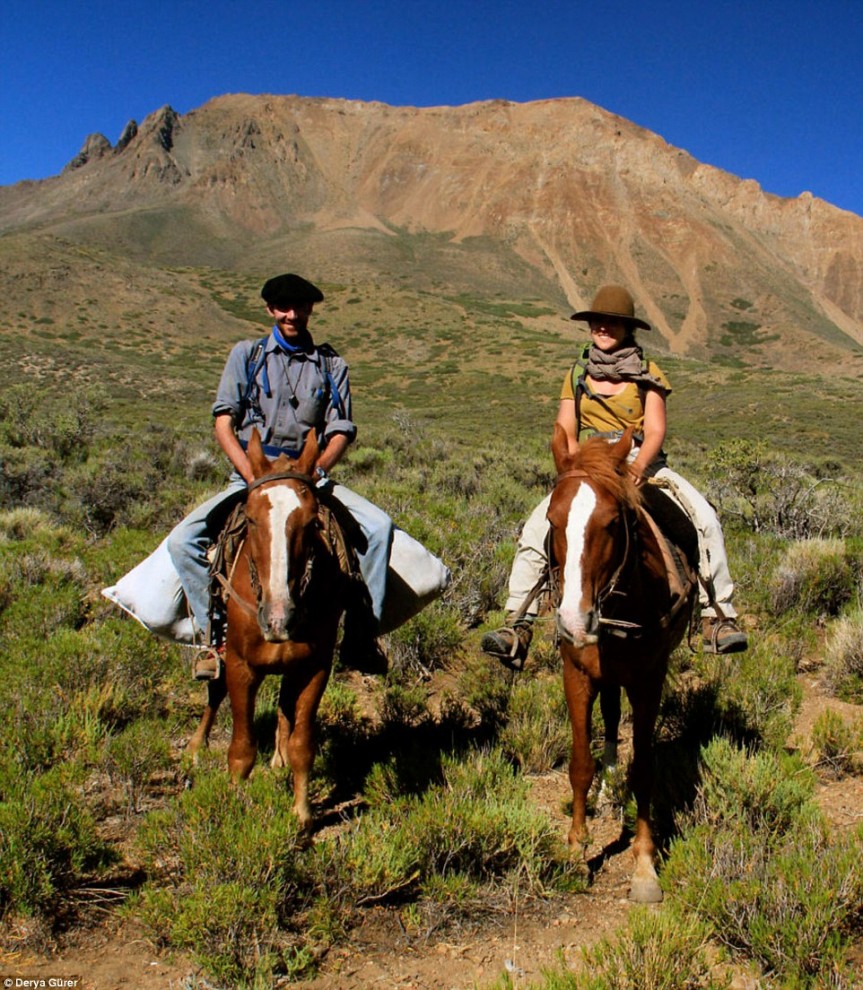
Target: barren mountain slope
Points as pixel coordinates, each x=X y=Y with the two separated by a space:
x=543 y=200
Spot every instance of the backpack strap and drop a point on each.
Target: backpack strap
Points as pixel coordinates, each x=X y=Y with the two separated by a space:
x=327 y=354
x=257 y=362
x=256 y=366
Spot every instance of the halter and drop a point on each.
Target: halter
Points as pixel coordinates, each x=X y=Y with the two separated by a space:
x=253 y=571
x=617 y=627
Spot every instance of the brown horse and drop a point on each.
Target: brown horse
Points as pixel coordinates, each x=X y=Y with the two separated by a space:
x=617 y=622
x=283 y=611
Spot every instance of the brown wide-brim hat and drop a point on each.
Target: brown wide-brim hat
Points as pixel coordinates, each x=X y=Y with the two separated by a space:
x=288 y=290
x=614 y=301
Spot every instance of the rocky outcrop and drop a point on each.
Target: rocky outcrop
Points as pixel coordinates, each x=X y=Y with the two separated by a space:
x=95 y=146
x=130 y=132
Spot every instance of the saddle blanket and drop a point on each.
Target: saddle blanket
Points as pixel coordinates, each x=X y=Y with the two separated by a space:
x=152 y=593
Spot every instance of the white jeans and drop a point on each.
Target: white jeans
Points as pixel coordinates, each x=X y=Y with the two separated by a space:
x=530 y=556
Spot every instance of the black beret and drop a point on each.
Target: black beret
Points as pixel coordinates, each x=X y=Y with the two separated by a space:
x=290 y=289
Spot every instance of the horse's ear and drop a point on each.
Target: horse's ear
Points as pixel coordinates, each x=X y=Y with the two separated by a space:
x=256 y=455
x=309 y=455
x=620 y=450
x=560 y=449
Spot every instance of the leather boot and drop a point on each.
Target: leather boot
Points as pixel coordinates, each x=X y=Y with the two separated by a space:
x=510 y=643
x=722 y=635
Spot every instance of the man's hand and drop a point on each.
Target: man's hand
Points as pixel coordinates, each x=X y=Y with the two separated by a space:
x=227 y=440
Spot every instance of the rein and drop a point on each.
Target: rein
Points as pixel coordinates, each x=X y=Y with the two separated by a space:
x=281 y=476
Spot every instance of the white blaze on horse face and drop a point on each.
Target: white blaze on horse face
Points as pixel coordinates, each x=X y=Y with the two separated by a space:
x=283 y=501
x=571 y=613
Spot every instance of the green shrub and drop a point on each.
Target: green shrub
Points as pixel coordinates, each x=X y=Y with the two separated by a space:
x=756 y=696
x=48 y=839
x=834 y=744
x=764 y=792
x=476 y=823
x=226 y=873
x=818 y=577
x=843 y=657
x=537 y=735
x=652 y=951
x=790 y=905
x=758 y=864
x=430 y=641
x=485 y=686
x=133 y=755
x=771 y=492
x=655 y=951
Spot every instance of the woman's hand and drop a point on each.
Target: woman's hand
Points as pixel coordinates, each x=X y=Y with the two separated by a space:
x=636 y=472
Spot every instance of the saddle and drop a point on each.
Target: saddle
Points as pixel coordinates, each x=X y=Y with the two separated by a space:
x=678 y=542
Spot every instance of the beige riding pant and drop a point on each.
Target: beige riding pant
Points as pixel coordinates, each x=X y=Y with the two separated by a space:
x=530 y=557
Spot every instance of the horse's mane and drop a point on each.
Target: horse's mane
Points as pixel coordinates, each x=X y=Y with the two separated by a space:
x=595 y=456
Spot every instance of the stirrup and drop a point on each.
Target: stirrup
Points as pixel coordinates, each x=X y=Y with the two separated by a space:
x=509 y=645
x=207 y=663
x=722 y=636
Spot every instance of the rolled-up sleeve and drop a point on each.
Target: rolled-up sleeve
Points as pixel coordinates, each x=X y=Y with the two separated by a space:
x=229 y=397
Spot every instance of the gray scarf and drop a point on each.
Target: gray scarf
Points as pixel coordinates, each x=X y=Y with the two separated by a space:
x=626 y=364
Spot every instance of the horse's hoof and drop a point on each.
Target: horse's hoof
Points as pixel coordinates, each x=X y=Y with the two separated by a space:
x=645 y=890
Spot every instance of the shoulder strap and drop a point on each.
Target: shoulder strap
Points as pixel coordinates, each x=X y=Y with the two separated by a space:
x=257 y=362
x=579 y=385
x=327 y=354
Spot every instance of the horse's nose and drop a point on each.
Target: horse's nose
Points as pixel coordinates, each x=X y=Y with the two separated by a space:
x=580 y=628
x=274 y=620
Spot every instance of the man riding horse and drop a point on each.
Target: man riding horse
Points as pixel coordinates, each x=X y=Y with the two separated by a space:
x=285 y=385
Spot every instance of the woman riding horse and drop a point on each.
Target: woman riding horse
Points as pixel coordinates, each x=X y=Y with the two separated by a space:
x=612 y=388
x=618 y=621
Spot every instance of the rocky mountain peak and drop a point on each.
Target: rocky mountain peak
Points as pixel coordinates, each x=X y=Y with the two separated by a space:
x=95 y=146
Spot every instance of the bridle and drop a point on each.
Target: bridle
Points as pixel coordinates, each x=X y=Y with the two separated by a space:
x=305 y=579
x=266 y=479
x=616 y=627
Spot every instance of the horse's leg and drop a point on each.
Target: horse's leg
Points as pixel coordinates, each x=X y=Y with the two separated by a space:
x=609 y=705
x=280 y=743
x=580 y=693
x=216 y=691
x=243 y=683
x=645 y=708
x=299 y=698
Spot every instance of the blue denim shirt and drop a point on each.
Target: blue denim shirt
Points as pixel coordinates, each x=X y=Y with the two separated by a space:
x=299 y=399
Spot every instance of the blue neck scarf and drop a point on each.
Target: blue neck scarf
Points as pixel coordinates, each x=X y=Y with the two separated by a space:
x=304 y=345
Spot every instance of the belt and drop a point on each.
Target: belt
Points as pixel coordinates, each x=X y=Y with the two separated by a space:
x=272 y=451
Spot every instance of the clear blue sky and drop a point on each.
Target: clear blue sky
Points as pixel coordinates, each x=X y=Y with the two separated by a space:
x=770 y=90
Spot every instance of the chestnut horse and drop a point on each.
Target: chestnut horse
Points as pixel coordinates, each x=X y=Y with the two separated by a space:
x=283 y=610
x=617 y=622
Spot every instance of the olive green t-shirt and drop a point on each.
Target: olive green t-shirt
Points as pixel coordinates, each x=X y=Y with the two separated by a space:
x=614 y=412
